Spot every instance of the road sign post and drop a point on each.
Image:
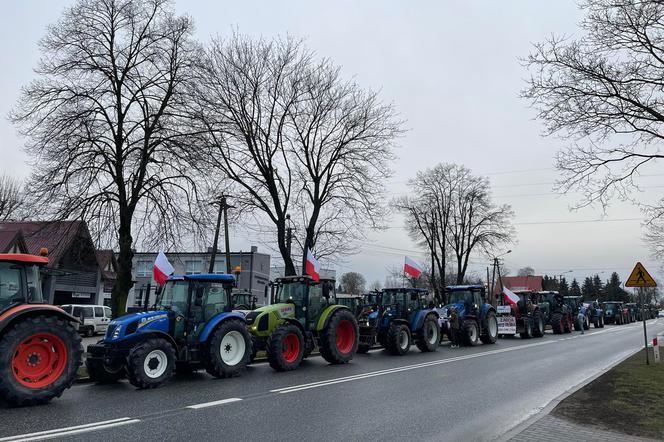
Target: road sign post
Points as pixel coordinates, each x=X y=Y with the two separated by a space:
x=641 y=278
x=655 y=349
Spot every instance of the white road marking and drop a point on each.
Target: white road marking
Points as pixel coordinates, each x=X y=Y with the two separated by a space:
x=68 y=431
x=214 y=403
x=400 y=369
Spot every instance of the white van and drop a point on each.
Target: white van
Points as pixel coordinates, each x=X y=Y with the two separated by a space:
x=94 y=318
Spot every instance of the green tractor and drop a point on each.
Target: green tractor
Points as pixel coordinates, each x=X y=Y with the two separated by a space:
x=304 y=314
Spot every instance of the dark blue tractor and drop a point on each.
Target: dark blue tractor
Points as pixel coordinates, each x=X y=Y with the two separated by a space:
x=192 y=326
x=477 y=319
x=401 y=317
x=595 y=313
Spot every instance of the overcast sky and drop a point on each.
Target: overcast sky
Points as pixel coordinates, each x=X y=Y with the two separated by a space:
x=452 y=70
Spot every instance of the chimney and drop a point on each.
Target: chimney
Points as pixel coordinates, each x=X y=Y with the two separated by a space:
x=254 y=249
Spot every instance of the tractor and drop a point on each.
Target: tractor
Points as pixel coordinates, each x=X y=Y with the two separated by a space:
x=614 y=313
x=40 y=349
x=634 y=311
x=192 y=325
x=477 y=319
x=595 y=313
x=555 y=312
x=531 y=324
x=574 y=303
x=244 y=300
x=402 y=317
x=304 y=314
x=354 y=302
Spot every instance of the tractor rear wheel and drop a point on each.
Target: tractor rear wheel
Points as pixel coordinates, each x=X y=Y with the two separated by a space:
x=568 y=323
x=228 y=350
x=490 y=335
x=398 y=339
x=101 y=373
x=471 y=333
x=596 y=322
x=39 y=359
x=339 y=340
x=527 y=332
x=601 y=322
x=151 y=363
x=538 y=325
x=285 y=348
x=428 y=338
x=557 y=324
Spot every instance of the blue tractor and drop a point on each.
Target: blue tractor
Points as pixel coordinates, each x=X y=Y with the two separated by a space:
x=477 y=319
x=401 y=317
x=192 y=325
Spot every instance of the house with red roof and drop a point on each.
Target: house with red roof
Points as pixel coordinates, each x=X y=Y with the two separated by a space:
x=520 y=283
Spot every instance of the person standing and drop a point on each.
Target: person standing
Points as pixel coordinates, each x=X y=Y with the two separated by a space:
x=454 y=328
x=581 y=317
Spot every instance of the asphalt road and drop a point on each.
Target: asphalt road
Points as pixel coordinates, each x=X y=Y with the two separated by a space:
x=475 y=393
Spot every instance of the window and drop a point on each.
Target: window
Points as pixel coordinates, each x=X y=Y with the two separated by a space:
x=82 y=312
x=10 y=285
x=219 y=266
x=108 y=313
x=34 y=285
x=144 y=268
x=99 y=312
x=193 y=267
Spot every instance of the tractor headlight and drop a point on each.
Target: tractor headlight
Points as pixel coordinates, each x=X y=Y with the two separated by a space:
x=116 y=332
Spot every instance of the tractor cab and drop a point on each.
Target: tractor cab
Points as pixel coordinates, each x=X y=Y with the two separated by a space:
x=244 y=300
x=466 y=299
x=402 y=303
x=354 y=302
x=477 y=318
x=20 y=281
x=308 y=297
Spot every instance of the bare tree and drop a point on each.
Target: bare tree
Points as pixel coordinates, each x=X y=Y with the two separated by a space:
x=104 y=125
x=11 y=198
x=375 y=286
x=296 y=140
x=526 y=271
x=353 y=283
x=604 y=91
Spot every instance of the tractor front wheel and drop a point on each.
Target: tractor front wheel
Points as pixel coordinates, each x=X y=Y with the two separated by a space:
x=339 y=340
x=39 y=359
x=229 y=350
x=285 y=348
x=601 y=322
x=568 y=324
x=101 y=373
x=557 y=324
x=151 y=363
x=470 y=335
x=490 y=335
x=527 y=332
x=398 y=339
x=428 y=337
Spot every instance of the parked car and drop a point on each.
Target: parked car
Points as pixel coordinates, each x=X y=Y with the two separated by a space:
x=93 y=318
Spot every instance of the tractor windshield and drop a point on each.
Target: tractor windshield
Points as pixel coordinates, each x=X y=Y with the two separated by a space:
x=460 y=296
x=175 y=296
x=10 y=285
x=610 y=306
x=291 y=292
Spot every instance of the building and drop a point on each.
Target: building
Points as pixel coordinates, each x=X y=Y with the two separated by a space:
x=73 y=274
x=280 y=272
x=109 y=270
x=254 y=271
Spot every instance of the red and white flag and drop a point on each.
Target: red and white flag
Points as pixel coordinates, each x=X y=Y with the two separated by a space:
x=412 y=268
x=162 y=268
x=511 y=298
x=313 y=266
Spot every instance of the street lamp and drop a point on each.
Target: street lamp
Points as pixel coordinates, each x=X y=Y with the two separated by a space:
x=564 y=273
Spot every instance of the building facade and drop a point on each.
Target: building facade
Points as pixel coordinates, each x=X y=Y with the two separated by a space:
x=254 y=274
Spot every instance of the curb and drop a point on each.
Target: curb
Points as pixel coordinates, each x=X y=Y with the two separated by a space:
x=546 y=410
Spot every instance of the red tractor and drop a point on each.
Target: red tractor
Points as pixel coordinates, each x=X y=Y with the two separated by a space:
x=40 y=350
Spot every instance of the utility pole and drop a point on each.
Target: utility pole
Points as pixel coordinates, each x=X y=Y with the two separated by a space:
x=223 y=211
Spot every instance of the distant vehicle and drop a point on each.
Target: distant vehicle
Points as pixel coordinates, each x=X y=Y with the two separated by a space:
x=574 y=303
x=477 y=318
x=354 y=302
x=614 y=313
x=634 y=311
x=244 y=300
x=529 y=320
x=93 y=319
x=595 y=313
x=555 y=312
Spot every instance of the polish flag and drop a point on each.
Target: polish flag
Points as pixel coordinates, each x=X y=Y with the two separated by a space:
x=511 y=298
x=412 y=268
x=162 y=268
x=313 y=266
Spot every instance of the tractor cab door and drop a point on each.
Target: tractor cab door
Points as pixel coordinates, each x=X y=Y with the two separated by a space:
x=477 y=302
x=318 y=300
x=207 y=299
x=412 y=303
x=12 y=285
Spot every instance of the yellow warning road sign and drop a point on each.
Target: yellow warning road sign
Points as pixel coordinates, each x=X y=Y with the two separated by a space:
x=640 y=277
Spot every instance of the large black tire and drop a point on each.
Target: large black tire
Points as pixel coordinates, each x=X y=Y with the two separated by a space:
x=527 y=332
x=340 y=338
x=363 y=348
x=19 y=334
x=601 y=322
x=90 y=332
x=102 y=374
x=596 y=322
x=577 y=326
x=151 y=363
x=557 y=324
x=398 y=339
x=470 y=334
x=490 y=335
x=567 y=324
x=285 y=347
x=428 y=337
x=228 y=349
x=538 y=325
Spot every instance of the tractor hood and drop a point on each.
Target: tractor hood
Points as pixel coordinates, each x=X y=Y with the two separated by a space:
x=285 y=310
x=129 y=324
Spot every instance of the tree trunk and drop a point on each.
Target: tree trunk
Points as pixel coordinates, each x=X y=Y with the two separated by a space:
x=123 y=283
x=289 y=266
